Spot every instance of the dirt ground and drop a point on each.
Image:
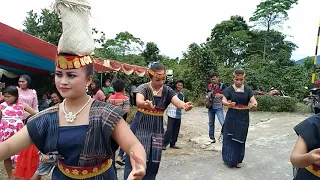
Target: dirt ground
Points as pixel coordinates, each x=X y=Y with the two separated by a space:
x=193 y=138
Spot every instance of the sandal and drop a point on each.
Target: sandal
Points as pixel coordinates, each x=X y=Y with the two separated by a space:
x=238 y=165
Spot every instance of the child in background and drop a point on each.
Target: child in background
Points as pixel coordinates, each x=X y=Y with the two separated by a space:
x=120 y=100
x=11 y=119
x=46 y=166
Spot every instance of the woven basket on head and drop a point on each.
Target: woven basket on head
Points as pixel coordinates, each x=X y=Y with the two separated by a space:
x=77 y=36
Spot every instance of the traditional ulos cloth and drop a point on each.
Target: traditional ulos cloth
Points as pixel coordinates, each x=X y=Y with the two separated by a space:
x=309 y=130
x=235 y=127
x=83 y=152
x=148 y=128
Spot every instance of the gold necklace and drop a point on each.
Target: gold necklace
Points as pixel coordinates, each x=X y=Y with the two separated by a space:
x=154 y=92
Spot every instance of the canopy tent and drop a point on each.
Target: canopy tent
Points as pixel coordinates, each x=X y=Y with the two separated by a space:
x=21 y=52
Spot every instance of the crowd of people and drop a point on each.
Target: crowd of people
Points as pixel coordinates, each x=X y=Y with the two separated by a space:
x=75 y=131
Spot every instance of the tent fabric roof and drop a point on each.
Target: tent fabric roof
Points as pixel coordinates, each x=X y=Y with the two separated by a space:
x=21 y=52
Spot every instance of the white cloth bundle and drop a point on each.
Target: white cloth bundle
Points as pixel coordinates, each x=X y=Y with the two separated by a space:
x=76 y=36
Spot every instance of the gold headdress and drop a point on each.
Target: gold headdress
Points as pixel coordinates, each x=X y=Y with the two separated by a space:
x=73 y=62
x=239 y=75
x=161 y=74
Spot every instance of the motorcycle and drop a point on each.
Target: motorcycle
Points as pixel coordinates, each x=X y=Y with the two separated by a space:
x=313 y=100
x=276 y=92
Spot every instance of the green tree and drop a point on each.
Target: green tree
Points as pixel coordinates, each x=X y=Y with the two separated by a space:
x=280 y=49
x=45 y=25
x=229 y=40
x=201 y=62
x=48 y=27
x=151 y=52
x=271 y=13
x=123 y=44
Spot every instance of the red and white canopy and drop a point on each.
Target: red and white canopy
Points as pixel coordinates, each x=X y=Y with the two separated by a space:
x=21 y=52
x=115 y=66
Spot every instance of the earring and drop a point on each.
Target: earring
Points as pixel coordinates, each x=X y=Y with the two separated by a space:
x=87 y=88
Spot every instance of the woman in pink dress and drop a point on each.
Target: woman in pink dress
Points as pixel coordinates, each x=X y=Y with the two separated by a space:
x=95 y=90
x=27 y=95
x=11 y=121
x=28 y=160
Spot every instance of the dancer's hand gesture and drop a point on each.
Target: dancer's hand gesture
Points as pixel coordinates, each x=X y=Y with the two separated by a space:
x=231 y=104
x=148 y=105
x=188 y=106
x=253 y=106
x=314 y=156
x=138 y=168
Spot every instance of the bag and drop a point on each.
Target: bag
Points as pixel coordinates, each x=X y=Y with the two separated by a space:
x=77 y=38
x=209 y=104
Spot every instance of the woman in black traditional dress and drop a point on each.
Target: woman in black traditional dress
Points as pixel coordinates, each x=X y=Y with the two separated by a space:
x=240 y=99
x=305 y=156
x=152 y=99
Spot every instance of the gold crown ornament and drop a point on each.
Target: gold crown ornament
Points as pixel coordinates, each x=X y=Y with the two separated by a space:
x=73 y=62
x=161 y=74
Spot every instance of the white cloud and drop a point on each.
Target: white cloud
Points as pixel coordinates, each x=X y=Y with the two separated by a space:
x=173 y=25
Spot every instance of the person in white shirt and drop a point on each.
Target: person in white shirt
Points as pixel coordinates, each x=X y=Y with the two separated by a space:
x=174 y=120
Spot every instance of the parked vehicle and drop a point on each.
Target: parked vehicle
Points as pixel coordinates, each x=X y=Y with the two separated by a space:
x=276 y=92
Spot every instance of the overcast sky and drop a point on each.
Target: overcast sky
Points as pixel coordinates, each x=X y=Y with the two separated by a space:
x=174 y=24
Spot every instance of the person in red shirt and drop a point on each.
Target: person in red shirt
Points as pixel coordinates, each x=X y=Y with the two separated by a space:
x=121 y=101
x=118 y=98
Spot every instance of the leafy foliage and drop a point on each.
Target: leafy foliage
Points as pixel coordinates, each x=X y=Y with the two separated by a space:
x=46 y=25
x=151 y=52
x=263 y=53
x=276 y=103
x=272 y=12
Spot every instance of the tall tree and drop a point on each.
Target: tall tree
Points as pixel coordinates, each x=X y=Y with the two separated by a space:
x=201 y=61
x=124 y=43
x=229 y=40
x=280 y=50
x=151 y=52
x=271 y=13
x=46 y=25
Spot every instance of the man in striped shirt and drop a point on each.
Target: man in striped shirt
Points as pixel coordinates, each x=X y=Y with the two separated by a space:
x=174 y=120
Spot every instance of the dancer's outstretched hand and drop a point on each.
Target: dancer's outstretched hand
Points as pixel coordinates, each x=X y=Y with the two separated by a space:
x=138 y=168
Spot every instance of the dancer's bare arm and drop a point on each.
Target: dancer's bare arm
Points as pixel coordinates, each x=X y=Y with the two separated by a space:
x=18 y=142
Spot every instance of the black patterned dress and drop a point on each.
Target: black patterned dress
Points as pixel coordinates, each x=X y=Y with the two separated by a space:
x=309 y=130
x=148 y=128
x=78 y=147
x=236 y=125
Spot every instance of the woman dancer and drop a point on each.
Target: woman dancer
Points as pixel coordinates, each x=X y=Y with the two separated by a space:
x=239 y=98
x=11 y=121
x=152 y=99
x=79 y=129
x=305 y=156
